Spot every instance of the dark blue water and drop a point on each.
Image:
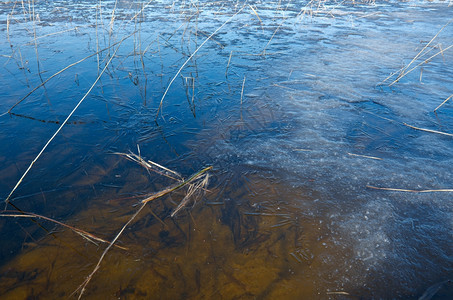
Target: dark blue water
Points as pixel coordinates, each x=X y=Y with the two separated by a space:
x=288 y=102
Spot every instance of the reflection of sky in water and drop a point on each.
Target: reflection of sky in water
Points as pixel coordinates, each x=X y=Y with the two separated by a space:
x=316 y=101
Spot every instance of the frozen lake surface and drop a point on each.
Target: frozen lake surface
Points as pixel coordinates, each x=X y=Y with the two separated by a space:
x=331 y=168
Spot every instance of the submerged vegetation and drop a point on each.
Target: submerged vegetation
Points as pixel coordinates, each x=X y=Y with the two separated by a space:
x=299 y=166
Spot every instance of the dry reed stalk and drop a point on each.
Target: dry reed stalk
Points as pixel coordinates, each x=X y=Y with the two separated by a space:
x=100 y=12
x=205 y=34
x=124 y=23
x=58 y=32
x=7 y=30
x=365 y=156
x=166 y=169
x=151 y=166
x=272 y=37
x=441 y=50
x=242 y=94
x=427 y=130
x=190 y=57
x=111 y=23
x=242 y=90
x=338 y=293
x=409 y=191
x=149 y=45
x=295 y=257
x=180 y=26
x=287 y=88
x=42 y=227
x=22 y=66
x=23 y=9
x=97 y=38
x=193 y=189
x=134 y=50
x=176 y=186
x=443 y=102
x=59 y=128
x=340 y=3
x=193 y=95
x=228 y=65
x=309 y=7
x=112 y=18
x=86 y=235
x=142 y=60
x=256 y=13
x=29 y=10
x=141 y=11
x=161 y=170
x=190 y=96
x=61 y=71
x=410 y=126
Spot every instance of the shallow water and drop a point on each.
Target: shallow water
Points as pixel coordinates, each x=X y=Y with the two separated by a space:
x=287 y=103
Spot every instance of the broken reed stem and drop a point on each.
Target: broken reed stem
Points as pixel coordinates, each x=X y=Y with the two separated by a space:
x=145 y=201
x=90 y=237
x=148 y=165
x=193 y=189
x=445 y=101
x=166 y=169
x=338 y=293
x=176 y=186
x=193 y=94
x=190 y=57
x=61 y=126
x=61 y=71
x=242 y=90
x=272 y=37
x=409 y=191
x=427 y=130
x=256 y=13
x=410 y=126
x=58 y=32
x=365 y=156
